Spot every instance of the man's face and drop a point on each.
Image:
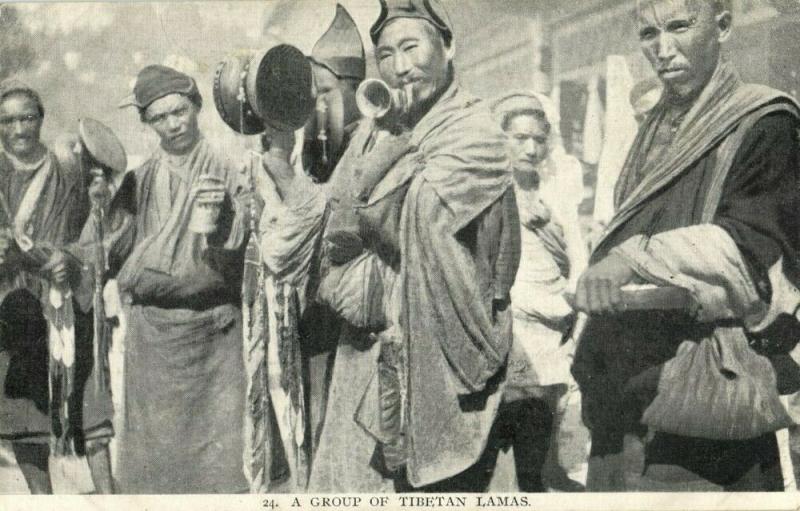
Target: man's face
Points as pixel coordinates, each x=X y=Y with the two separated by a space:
x=174 y=118
x=527 y=142
x=681 y=39
x=20 y=124
x=336 y=108
x=339 y=94
x=411 y=51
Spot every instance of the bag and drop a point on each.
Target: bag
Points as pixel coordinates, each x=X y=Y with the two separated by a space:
x=718 y=389
x=355 y=291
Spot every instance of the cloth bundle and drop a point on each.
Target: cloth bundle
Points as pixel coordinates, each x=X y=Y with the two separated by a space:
x=720 y=387
x=356 y=178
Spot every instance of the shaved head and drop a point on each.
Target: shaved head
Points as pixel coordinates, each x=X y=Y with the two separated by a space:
x=682 y=40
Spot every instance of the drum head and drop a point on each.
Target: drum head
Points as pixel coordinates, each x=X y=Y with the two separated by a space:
x=279 y=86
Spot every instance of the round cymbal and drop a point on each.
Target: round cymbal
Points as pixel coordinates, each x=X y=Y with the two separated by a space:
x=103 y=145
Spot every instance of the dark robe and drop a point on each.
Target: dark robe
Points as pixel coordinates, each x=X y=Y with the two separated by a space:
x=59 y=215
x=183 y=375
x=758 y=209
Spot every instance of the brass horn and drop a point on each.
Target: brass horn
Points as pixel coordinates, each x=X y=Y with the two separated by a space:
x=375 y=99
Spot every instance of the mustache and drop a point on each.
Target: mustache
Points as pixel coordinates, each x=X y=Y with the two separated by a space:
x=668 y=68
x=411 y=79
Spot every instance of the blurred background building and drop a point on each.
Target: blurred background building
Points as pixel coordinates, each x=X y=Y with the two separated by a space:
x=84 y=57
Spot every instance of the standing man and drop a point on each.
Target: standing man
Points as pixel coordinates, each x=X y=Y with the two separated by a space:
x=44 y=206
x=424 y=303
x=538 y=375
x=338 y=65
x=183 y=347
x=708 y=201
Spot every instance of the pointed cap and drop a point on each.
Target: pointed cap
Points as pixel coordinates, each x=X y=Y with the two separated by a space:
x=430 y=10
x=340 y=48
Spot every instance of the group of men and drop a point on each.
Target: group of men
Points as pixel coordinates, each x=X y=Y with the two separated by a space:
x=438 y=331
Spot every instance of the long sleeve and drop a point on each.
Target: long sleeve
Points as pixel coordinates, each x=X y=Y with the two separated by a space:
x=291 y=231
x=703 y=259
x=744 y=264
x=226 y=247
x=119 y=232
x=507 y=262
x=761 y=198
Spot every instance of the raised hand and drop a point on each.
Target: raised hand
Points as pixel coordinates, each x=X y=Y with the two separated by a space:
x=57 y=269
x=276 y=160
x=100 y=192
x=208 y=189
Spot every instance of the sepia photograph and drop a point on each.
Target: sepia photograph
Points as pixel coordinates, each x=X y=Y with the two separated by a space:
x=400 y=254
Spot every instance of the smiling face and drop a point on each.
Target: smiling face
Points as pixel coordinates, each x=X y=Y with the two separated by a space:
x=20 y=125
x=412 y=51
x=681 y=39
x=174 y=119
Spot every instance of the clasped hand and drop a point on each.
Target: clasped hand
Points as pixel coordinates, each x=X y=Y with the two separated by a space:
x=599 y=289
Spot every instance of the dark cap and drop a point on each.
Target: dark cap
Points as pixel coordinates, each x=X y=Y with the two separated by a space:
x=156 y=81
x=340 y=48
x=430 y=10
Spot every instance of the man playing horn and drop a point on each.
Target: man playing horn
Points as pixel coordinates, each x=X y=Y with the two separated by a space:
x=338 y=66
x=423 y=294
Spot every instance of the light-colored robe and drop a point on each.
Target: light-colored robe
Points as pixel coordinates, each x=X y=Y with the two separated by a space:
x=449 y=233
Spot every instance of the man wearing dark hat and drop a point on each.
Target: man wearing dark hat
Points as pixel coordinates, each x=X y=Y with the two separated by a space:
x=43 y=206
x=183 y=359
x=424 y=305
x=338 y=66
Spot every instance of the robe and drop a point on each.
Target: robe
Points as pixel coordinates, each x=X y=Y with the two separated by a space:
x=184 y=373
x=445 y=214
x=54 y=201
x=729 y=203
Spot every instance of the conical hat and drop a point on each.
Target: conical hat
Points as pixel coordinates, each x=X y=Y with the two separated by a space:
x=340 y=48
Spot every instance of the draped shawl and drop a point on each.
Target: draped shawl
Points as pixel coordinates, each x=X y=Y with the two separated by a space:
x=455 y=348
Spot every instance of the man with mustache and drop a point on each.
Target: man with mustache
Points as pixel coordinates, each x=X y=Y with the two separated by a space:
x=44 y=205
x=181 y=288
x=424 y=302
x=706 y=201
